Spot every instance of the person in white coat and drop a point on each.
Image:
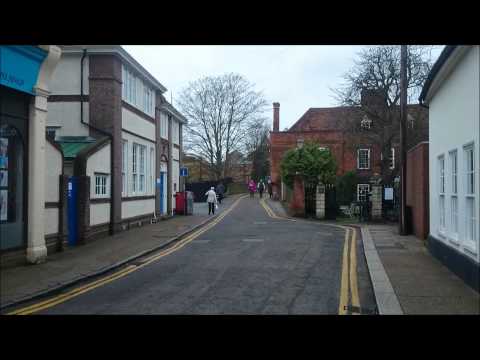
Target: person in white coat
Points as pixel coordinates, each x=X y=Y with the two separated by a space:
x=212 y=200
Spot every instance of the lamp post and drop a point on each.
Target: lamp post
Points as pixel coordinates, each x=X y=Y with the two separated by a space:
x=403 y=119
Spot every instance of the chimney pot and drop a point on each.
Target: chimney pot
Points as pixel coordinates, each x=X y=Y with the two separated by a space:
x=276 y=116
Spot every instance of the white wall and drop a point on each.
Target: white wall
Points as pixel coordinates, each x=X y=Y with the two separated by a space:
x=149 y=144
x=66 y=79
x=99 y=213
x=51 y=221
x=99 y=162
x=67 y=116
x=53 y=160
x=138 y=125
x=137 y=208
x=454 y=120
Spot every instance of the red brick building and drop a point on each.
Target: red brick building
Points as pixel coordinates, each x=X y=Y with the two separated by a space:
x=323 y=125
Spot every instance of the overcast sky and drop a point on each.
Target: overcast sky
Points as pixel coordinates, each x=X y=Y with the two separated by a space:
x=298 y=77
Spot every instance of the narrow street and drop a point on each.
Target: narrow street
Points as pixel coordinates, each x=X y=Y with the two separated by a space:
x=248 y=261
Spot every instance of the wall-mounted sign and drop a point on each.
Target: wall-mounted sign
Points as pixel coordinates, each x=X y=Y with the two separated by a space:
x=388 y=193
x=20 y=65
x=183 y=171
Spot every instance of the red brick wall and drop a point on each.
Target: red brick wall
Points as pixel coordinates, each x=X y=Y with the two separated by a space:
x=417 y=188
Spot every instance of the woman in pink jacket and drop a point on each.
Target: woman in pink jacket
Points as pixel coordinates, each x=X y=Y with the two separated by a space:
x=251 y=188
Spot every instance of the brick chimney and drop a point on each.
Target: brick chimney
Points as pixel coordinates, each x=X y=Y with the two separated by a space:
x=276 y=116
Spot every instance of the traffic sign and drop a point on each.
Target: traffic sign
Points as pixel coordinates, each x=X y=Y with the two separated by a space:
x=183 y=171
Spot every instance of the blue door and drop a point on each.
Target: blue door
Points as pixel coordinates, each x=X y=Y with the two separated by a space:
x=72 y=210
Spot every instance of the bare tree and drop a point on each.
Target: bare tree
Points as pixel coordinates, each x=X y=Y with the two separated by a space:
x=221 y=111
x=374 y=84
x=257 y=149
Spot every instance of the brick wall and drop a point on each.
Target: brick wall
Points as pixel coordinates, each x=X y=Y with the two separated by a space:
x=417 y=188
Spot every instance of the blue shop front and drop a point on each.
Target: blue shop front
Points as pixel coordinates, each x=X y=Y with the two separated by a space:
x=19 y=70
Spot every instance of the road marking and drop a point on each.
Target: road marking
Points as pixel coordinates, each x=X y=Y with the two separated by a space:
x=121 y=273
x=349 y=281
x=353 y=270
x=344 y=282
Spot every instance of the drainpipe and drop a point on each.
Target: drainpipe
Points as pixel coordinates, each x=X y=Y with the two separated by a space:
x=84 y=55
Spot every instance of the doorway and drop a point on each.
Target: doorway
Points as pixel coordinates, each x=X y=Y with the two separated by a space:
x=13 y=168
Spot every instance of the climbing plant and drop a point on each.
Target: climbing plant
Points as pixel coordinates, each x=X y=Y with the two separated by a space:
x=311 y=162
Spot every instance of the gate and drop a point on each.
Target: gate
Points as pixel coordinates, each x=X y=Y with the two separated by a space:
x=310 y=199
x=330 y=202
x=390 y=202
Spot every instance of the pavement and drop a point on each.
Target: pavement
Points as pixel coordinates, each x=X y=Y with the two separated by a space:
x=74 y=264
x=246 y=261
x=409 y=280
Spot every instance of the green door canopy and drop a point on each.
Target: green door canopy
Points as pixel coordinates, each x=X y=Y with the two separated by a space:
x=72 y=145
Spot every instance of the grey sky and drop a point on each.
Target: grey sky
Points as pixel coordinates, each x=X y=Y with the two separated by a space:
x=298 y=77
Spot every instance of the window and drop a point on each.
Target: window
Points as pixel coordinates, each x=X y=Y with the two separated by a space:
x=453 y=196
x=392 y=158
x=164 y=125
x=137 y=93
x=152 y=170
x=134 y=167
x=470 y=220
x=124 y=166
x=441 y=191
x=363 y=159
x=410 y=121
x=362 y=192
x=366 y=123
x=141 y=185
x=101 y=185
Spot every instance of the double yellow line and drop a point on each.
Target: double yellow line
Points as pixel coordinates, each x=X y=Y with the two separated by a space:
x=271 y=213
x=121 y=273
x=349 y=281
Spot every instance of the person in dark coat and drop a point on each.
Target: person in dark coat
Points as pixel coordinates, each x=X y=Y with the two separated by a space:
x=220 y=192
x=261 y=188
x=270 y=189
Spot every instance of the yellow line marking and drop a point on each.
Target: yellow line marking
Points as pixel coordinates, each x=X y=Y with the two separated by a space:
x=271 y=213
x=353 y=270
x=344 y=281
x=119 y=274
x=349 y=281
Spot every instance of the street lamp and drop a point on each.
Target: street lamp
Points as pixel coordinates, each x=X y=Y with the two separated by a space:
x=403 y=133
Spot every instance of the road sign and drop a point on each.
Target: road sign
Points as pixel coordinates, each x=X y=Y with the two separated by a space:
x=183 y=171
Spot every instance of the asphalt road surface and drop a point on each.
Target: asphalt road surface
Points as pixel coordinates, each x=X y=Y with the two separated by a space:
x=248 y=263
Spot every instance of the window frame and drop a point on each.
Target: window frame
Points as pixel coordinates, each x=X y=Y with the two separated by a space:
x=453 y=191
x=358 y=190
x=441 y=194
x=470 y=198
x=101 y=182
x=368 y=158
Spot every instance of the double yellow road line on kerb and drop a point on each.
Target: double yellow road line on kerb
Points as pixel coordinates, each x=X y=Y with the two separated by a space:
x=349 y=282
x=121 y=273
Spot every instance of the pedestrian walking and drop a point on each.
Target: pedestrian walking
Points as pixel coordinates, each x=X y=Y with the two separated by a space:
x=212 y=200
x=261 y=188
x=270 y=189
x=220 y=192
x=251 y=188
